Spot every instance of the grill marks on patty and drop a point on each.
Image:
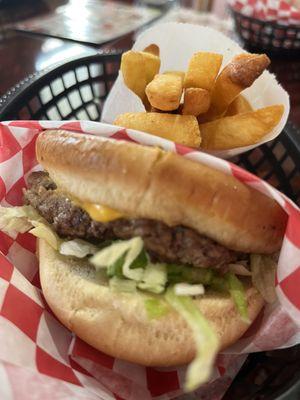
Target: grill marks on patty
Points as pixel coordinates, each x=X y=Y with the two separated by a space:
x=164 y=244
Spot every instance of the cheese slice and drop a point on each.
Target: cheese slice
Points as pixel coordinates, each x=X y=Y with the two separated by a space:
x=97 y=212
x=101 y=213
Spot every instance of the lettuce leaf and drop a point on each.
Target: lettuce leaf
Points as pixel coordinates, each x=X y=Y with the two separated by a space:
x=44 y=232
x=263 y=276
x=130 y=249
x=77 y=248
x=154 y=278
x=155 y=308
x=14 y=220
x=116 y=269
x=141 y=261
x=186 y=289
x=238 y=294
x=21 y=219
x=206 y=340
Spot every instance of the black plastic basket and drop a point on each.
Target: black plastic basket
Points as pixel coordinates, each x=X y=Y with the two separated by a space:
x=73 y=89
x=269 y=36
x=77 y=89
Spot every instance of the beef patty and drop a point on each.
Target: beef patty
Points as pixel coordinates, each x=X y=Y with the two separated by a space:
x=163 y=243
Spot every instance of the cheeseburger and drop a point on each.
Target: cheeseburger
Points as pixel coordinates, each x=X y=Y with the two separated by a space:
x=144 y=254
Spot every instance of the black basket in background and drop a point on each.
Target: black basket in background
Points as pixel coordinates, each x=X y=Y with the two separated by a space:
x=74 y=89
x=77 y=89
x=268 y=36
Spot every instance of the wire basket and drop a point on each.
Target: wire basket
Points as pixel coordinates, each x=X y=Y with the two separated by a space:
x=77 y=89
x=269 y=36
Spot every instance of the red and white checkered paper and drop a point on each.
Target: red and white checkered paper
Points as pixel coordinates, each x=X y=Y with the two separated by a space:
x=280 y=11
x=39 y=356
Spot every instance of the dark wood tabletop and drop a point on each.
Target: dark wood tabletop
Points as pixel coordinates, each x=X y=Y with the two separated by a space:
x=22 y=54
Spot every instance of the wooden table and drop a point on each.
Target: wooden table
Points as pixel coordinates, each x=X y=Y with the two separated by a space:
x=22 y=54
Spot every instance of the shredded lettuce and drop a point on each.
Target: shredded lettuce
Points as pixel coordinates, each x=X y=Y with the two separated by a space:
x=135 y=248
x=122 y=285
x=206 y=340
x=232 y=285
x=21 y=219
x=263 y=276
x=141 y=261
x=185 y=289
x=128 y=259
x=155 y=308
x=238 y=294
x=154 y=278
x=44 y=232
x=130 y=249
x=77 y=248
x=15 y=220
x=116 y=269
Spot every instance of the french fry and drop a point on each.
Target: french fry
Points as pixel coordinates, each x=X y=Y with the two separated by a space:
x=241 y=129
x=176 y=73
x=203 y=70
x=152 y=65
x=196 y=101
x=212 y=103
x=133 y=70
x=152 y=49
x=238 y=75
x=138 y=69
x=181 y=129
x=164 y=92
x=238 y=106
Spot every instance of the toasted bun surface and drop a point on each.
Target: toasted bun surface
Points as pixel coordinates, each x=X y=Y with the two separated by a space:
x=117 y=323
x=147 y=182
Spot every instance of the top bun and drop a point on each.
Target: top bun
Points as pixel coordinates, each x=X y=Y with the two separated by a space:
x=147 y=182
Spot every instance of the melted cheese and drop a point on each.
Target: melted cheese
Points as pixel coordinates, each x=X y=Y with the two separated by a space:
x=101 y=213
x=97 y=212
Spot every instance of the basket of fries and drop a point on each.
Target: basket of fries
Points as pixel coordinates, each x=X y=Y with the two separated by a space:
x=272 y=26
x=215 y=96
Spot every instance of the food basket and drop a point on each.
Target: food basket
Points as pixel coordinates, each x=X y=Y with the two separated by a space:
x=76 y=89
x=268 y=36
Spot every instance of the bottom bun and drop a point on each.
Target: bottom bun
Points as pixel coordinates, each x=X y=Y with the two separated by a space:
x=117 y=323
